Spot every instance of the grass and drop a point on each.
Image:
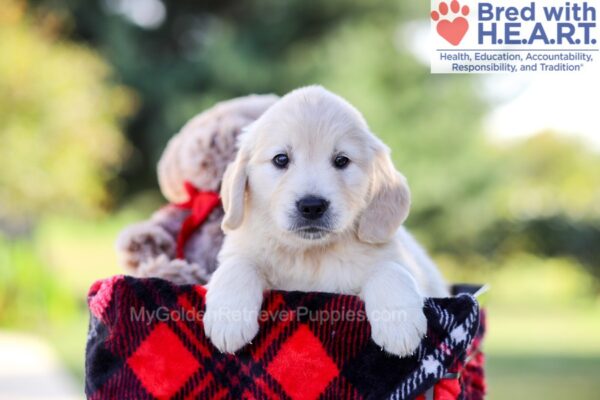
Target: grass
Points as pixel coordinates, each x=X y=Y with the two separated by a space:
x=33 y=298
x=560 y=332
x=44 y=281
x=548 y=377
x=543 y=354
x=543 y=316
x=543 y=338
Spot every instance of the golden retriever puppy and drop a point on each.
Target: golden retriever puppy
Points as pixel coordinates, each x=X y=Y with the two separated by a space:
x=313 y=203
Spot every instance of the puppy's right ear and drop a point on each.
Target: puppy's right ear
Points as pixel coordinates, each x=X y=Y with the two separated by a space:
x=233 y=191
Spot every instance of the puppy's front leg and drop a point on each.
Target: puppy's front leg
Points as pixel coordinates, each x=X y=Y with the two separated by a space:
x=233 y=301
x=394 y=307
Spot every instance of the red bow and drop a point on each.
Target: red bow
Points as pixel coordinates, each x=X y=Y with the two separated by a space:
x=201 y=205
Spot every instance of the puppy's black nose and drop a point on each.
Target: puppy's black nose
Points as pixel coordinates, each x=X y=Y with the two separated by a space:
x=312 y=207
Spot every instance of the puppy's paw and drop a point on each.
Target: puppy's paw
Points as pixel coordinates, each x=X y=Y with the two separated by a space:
x=398 y=331
x=230 y=327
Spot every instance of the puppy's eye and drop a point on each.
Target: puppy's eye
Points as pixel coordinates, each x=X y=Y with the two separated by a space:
x=281 y=160
x=341 y=162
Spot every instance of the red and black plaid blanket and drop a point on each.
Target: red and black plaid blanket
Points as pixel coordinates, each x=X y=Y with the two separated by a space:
x=146 y=341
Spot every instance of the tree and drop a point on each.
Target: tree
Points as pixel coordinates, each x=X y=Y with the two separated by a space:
x=203 y=52
x=59 y=120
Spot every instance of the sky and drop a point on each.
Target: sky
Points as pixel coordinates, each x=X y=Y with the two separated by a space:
x=568 y=103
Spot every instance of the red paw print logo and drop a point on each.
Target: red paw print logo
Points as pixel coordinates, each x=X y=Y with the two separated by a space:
x=453 y=30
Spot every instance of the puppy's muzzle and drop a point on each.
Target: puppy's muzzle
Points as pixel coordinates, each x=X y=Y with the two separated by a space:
x=312 y=207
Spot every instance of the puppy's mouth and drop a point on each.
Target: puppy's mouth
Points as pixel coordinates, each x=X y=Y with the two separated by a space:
x=312 y=232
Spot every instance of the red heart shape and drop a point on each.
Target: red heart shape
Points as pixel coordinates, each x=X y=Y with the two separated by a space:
x=453 y=31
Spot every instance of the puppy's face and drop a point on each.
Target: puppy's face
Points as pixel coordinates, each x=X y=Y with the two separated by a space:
x=310 y=170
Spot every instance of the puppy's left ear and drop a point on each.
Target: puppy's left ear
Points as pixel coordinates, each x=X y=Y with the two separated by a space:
x=389 y=201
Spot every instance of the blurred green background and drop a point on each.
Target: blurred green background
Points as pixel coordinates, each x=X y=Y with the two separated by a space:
x=90 y=91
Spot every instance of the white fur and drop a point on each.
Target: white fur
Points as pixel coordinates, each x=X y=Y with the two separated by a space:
x=365 y=252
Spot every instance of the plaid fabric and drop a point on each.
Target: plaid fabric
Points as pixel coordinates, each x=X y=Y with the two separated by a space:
x=146 y=341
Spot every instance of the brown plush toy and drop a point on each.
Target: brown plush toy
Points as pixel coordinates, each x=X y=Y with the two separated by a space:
x=180 y=242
